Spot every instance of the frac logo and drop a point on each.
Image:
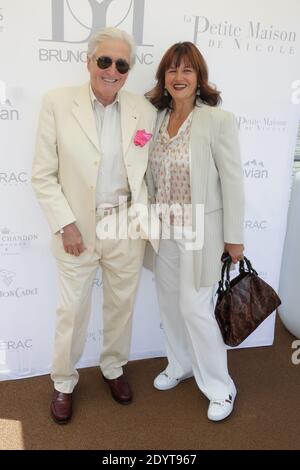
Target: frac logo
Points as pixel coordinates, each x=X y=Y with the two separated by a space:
x=17 y=355
x=19 y=345
x=13 y=178
x=87 y=18
x=257 y=225
x=255 y=170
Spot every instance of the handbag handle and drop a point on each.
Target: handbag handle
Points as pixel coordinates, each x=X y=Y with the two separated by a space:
x=224 y=283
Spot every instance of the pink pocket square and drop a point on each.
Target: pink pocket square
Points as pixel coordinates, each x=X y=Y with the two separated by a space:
x=142 y=137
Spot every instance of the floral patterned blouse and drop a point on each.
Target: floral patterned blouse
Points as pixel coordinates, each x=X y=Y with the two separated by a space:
x=170 y=166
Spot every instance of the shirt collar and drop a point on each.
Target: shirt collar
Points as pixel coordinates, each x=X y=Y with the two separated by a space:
x=94 y=99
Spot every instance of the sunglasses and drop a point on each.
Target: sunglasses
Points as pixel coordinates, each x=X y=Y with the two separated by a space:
x=104 y=62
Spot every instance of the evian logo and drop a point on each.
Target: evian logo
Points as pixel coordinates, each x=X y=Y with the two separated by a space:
x=7 y=111
x=255 y=170
x=7 y=277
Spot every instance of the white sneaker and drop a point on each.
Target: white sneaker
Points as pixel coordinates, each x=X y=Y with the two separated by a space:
x=165 y=382
x=220 y=409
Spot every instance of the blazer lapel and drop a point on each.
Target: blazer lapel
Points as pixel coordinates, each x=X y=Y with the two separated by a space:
x=84 y=114
x=159 y=121
x=129 y=119
x=199 y=153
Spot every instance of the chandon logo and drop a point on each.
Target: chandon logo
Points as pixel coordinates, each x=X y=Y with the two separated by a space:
x=11 y=243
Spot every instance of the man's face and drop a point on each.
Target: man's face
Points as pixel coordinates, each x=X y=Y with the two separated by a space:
x=107 y=82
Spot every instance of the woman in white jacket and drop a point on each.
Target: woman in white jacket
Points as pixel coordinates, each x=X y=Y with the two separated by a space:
x=195 y=172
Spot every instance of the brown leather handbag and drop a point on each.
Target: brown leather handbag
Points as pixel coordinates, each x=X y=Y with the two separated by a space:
x=243 y=303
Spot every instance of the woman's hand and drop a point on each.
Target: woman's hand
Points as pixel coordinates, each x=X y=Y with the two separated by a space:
x=235 y=251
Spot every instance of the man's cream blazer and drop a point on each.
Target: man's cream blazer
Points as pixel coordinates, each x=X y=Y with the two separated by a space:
x=216 y=179
x=67 y=159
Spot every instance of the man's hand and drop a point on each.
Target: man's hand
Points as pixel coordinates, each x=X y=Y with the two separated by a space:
x=235 y=251
x=72 y=240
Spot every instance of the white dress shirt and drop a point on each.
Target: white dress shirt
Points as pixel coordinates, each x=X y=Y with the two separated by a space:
x=112 y=177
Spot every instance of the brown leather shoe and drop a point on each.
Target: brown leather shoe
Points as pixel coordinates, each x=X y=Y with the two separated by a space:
x=120 y=389
x=61 y=407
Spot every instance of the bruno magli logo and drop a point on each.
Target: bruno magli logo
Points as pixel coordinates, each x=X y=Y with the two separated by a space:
x=73 y=24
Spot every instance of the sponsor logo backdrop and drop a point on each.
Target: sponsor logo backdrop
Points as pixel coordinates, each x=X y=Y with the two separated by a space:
x=253 y=55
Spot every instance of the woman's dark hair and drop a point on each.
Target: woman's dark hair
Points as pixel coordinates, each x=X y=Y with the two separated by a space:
x=192 y=57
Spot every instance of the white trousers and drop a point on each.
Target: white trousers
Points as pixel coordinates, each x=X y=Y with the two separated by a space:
x=121 y=262
x=194 y=343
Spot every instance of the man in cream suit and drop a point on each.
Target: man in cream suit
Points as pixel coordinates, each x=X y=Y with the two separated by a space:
x=89 y=169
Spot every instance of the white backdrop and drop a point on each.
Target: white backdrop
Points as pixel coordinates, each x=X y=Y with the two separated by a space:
x=253 y=52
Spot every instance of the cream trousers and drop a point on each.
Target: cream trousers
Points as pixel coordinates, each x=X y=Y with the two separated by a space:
x=121 y=261
x=193 y=341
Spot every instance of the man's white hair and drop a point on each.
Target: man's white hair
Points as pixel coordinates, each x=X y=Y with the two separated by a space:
x=112 y=33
